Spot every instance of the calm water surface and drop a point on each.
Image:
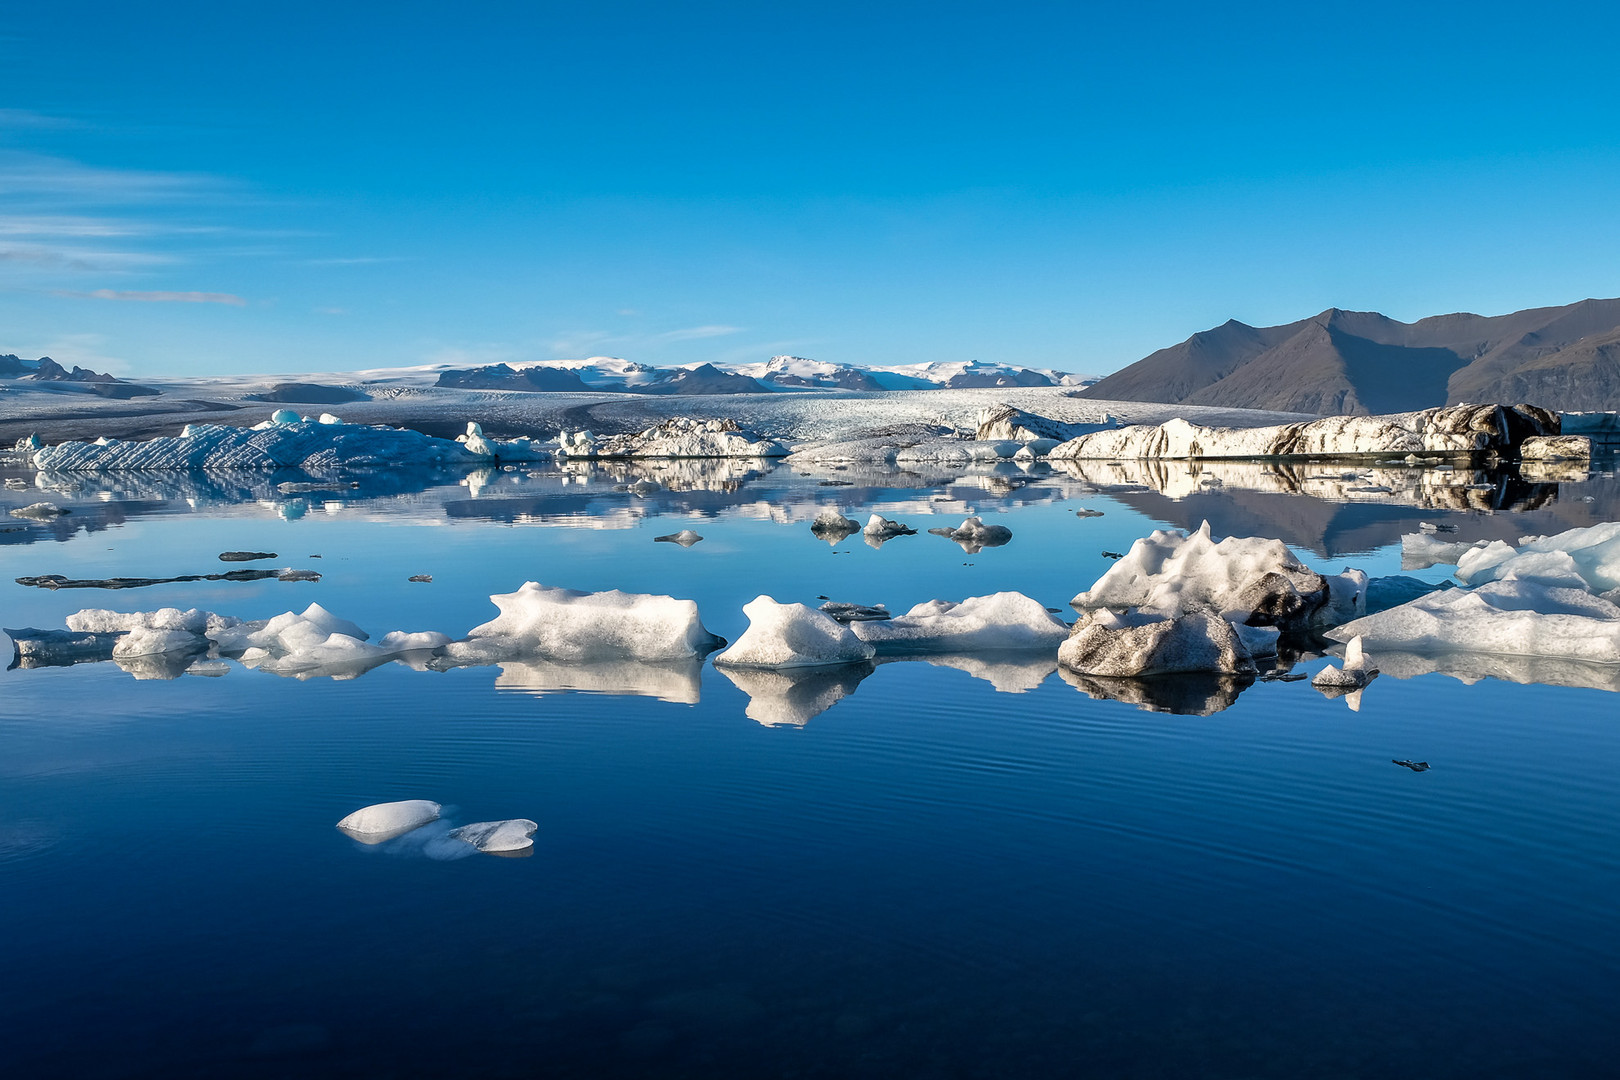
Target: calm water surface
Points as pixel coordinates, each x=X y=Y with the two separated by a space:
x=932 y=877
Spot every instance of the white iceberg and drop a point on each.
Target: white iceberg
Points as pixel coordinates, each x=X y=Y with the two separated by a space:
x=974 y=535
x=832 y=526
x=384 y=821
x=1587 y=557
x=679 y=437
x=686 y=538
x=881 y=528
x=498 y=837
x=998 y=622
x=565 y=624
x=1511 y=617
x=793 y=635
x=1354 y=673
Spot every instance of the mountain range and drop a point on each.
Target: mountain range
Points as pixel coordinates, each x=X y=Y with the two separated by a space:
x=1361 y=362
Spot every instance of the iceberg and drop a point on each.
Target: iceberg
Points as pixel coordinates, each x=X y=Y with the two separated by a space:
x=974 y=535
x=832 y=526
x=1510 y=617
x=1353 y=674
x=881 y=528
x=384 y=821
x=1112 y=645
x=793 y=635
x=565 y=624
x=678 y=437
x=40 y=511
x=1245 y=579
x=686 y=538
x=1450 y=430
x=498 y=837
x=288 y=442
x=998 y=622
x=1582 y=558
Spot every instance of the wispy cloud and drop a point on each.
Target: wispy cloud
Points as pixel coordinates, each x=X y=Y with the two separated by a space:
x=158 y=296
x=357 y=260
x=697 y=333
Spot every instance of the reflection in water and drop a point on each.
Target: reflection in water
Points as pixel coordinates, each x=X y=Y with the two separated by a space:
x=678 y=681
x=1195 y=694
x=1007 y=672
x=1473 y=667
x=795 y=696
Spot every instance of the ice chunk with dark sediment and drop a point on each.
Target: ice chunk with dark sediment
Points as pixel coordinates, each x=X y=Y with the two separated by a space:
x=832 y=526
x=793 y=635
x=974 y=535
x=1244 y=579
x=1104 y=643
x=686 y=538
x=881 y=528
x=498 y=837
x=384 y=821
x=848 y=613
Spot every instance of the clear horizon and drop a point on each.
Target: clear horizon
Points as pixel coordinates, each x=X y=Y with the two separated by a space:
x=194 y=190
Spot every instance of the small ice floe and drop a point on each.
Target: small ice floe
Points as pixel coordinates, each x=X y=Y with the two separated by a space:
x=425 y=579
x=686 y=538
x=59 y=648
x=1113 y=554
x=565 y=624
x=832 y=526
x=974 y=535
x=1085 y=512
x=1347 y=680
x=16 y=483
x=498 y=837
x=879 y=528
x=793 y=635
x=245 y=556
x=1586 y=558
x=848 y=613
x=40 y=511
x=1415 y=766
x=385 y=821
x=999 y=622
x=1437 y=527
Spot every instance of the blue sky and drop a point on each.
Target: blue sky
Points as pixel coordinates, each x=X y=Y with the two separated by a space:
x=190 y=188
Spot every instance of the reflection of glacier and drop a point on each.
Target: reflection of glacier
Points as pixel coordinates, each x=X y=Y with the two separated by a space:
x=1473 y=667
x=1424 y=488
x=677 y=681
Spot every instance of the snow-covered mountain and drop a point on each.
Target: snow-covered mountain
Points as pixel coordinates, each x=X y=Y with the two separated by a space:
x=780 y=373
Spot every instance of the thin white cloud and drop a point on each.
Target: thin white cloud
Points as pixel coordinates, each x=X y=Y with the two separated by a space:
x=356 y=260
x=159 y=296
x=697 y=333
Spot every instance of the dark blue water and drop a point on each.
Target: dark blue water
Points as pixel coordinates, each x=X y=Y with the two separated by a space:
x=931 y=878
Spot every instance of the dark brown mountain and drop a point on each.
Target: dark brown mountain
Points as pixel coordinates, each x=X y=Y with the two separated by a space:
x=1361 y=362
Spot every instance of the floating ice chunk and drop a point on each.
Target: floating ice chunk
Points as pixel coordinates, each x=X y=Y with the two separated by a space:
x=832 y=526
x=1106 y=644
x=384 y=821
x=565 y=624
x=686 y=538
x=879 y=527
x=1000 y=621
x=498 y=837
x=792 y=635
x=150 y=642
x=1246 y=580
x=1556 y=448
x=1353 y=674
x=1510 y=617
x=51 y=648
x=285 y=417
x=328 y=418
x=678 y=437
x=40 y=511
x=475 y=443
x=848 y=613
x=192 y=620
x=1593 y=554
x=974 y=535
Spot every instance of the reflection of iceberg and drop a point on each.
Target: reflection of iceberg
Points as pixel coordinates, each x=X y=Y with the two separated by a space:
x=1472 y=667
x=1200 y=694
x=1008 y=672
x=795 y=696
x=677 y=680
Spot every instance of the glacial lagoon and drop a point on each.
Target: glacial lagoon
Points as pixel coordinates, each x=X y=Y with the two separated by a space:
x=963 y=866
